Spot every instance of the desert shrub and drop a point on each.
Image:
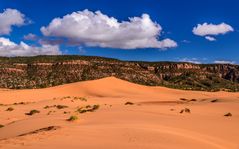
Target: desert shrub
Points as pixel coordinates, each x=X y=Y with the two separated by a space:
x=193 y=100
x=181 y=111
x=32 y=112
x=72 y=118
x=61 y=106
x=56 y=106
x=83 y=99
x=66 y=97
x=186 y=110
x=82 y=110
x=183 y=99
x=215 y=100
x=9 y=109
x=20 y=103
x=129 y=103
x=1 y=126
x=65 y=112
x=95 y=107
x=80 y=98
x=49 y=112
x=88 y=108
x=46 y=107
x=228 y=114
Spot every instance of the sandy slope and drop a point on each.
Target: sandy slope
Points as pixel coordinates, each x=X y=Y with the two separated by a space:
x=154 y=121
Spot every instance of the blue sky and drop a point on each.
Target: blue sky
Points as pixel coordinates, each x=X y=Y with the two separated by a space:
x=176 y=18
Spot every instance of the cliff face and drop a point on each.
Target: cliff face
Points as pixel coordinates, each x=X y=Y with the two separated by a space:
x=46 y=71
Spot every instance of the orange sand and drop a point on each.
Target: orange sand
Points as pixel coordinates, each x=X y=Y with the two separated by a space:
x=153 y=122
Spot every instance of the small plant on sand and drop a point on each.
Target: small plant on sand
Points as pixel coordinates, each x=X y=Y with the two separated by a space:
x=20 y=103
x=49 y=112
x=46 y=107
x=72 y=118
x=129 y=103
x=88 y=108
x=66 y=97
x=193 y=100
x=181 y=111
x=215 y=100
x=32 y=112
x=65 y=112
x=82 y=110
x=95 y=107
x=1 y=126
x=56 y=106
x=186 y=110
x=80 y=98
x=9 y=109
x=83 y=99
x=183 y=99
x=228 y=114
x=61 y=106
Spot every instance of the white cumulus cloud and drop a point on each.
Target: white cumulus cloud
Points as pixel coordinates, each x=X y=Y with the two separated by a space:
x=97 y=29
x=209 y=30
x=9 y=48
x=9 y=18
x=212 y=29
x=210 y=38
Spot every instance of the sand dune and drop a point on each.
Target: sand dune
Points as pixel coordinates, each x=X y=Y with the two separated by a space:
x=152 y=121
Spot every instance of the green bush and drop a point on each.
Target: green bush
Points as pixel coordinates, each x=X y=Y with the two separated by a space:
x=72 y=118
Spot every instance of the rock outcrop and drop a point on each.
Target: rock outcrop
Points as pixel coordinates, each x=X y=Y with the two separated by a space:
x=47 y=71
